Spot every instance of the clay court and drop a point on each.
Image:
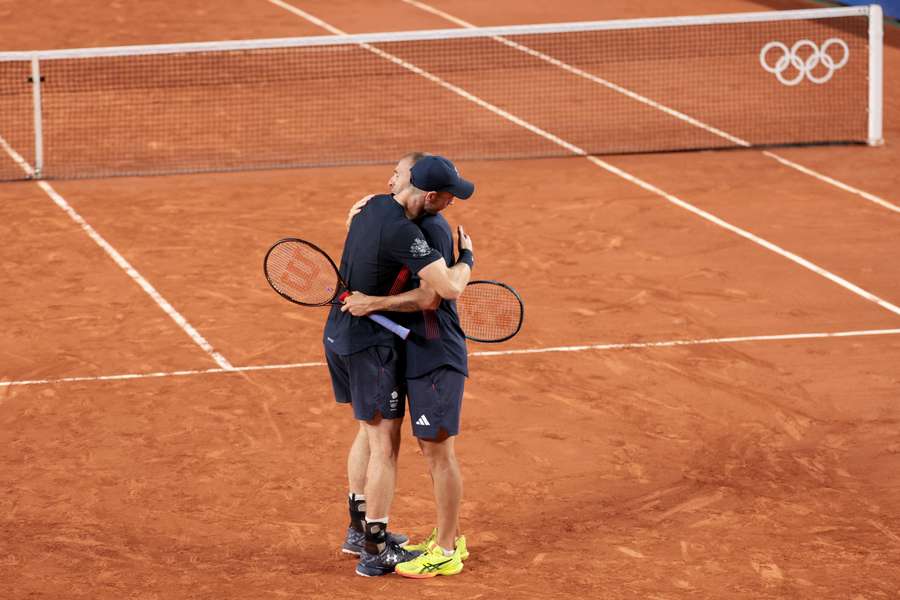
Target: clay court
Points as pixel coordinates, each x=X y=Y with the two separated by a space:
x=688 y=411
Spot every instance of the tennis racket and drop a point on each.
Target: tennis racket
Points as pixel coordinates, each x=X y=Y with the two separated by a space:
x=304 y=274
x=490 y=311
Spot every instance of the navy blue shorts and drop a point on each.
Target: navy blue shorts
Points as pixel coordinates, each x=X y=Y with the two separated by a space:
x=368 y=380
x=435 y=402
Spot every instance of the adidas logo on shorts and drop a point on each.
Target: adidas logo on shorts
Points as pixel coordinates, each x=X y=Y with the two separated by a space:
x=423 y=421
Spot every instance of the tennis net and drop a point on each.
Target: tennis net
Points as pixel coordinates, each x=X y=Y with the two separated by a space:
x=606 y=87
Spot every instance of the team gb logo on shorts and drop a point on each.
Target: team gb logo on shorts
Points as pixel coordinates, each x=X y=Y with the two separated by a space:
x=419 y=248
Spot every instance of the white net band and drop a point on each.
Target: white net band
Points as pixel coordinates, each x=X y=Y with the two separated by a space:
x=739 y=80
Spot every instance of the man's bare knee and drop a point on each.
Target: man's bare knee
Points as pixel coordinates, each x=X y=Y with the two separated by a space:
x=383 y=436
x=440 y=451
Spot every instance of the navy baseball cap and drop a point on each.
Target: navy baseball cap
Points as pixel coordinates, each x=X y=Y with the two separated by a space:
x=437 y=174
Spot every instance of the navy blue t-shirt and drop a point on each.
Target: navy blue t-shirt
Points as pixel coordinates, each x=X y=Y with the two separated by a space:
x=437 y=338
x=381 y=250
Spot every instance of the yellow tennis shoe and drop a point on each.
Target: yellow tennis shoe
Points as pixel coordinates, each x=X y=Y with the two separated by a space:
x=425 y=544
x=431 y=563
x=462 y=548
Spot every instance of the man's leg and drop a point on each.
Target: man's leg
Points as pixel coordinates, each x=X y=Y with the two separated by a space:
x=435 y=404
x=368 y=382
x=379 y=404
x=357 y=466
x=448 y=487
x=357 y=458
x=443 y=552
x=383 y=437
x=382 y=551
x=357 y=463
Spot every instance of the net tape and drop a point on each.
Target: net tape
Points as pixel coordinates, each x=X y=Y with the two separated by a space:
x=608 y=87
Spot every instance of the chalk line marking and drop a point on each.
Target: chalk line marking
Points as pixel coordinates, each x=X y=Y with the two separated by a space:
x=120 y=260
x=488 y=353
x=17 y=158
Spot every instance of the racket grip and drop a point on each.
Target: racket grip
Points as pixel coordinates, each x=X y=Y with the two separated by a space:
x=399 y=330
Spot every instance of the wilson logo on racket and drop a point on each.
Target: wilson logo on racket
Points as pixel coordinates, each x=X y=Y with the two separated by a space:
x=300 y=272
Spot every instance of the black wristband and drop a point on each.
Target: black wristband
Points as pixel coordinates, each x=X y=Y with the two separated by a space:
x=466 y=256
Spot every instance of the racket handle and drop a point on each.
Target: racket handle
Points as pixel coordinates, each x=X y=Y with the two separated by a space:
x=399 y=330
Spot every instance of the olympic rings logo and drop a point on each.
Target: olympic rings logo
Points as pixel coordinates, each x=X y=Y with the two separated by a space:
x=790 y=60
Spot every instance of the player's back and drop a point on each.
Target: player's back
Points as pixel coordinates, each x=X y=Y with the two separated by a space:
x=381 y=250
x=366 y=264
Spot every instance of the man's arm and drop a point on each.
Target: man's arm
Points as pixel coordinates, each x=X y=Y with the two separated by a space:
x=357 y=208
x=449 y=283
x=421 y=298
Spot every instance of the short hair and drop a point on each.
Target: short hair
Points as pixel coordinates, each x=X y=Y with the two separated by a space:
x=415 y=157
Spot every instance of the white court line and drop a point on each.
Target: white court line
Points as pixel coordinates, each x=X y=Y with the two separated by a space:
x=673 y=343
x=120 y=260
x=747 y=235
x=661 y=107
x=831 y=181
x=17 y=158
x=158 y=374
x=553 y=349
x=603 y=164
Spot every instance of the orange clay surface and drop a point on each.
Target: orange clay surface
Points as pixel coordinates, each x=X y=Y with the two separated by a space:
x=755 y=469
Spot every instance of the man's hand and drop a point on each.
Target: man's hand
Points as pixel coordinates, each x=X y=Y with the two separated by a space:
x=357 y=208
x=465 y=242
x=359 y=304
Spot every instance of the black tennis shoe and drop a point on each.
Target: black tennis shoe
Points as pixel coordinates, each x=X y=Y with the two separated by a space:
x=373 y=565
x=355 y=541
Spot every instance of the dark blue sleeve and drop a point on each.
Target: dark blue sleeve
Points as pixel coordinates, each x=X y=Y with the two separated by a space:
x=405 y=243
x=438 y=234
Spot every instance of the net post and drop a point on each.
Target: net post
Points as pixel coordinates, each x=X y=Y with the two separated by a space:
x=38 y=117
x=876 y=74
